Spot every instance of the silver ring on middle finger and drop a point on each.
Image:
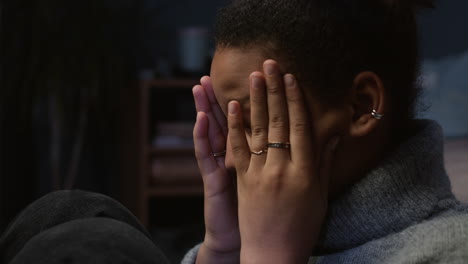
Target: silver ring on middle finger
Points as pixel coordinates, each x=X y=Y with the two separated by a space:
x=279 y=145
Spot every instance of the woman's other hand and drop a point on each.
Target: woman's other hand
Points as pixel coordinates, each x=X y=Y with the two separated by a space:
x=282 y=192
x=222 y=240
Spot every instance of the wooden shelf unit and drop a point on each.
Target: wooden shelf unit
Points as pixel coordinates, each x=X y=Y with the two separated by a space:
x=136 y=185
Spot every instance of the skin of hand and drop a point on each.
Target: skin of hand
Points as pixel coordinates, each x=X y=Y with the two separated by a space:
x=282 y=194
x=222 y=238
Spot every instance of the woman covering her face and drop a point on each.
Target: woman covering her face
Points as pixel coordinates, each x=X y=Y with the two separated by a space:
x=307 y=142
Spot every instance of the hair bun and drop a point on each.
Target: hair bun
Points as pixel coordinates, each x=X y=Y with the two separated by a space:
x=413 y=4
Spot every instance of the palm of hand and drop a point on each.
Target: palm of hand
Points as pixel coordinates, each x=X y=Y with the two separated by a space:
x=210 y=131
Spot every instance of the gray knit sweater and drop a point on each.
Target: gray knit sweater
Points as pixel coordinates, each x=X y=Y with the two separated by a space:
x=403 y=211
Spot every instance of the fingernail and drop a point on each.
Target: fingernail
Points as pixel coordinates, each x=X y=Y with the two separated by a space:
x=205 y=79
x=256 y=81
x=269 y=68
x=232 y=108
x=289 y=80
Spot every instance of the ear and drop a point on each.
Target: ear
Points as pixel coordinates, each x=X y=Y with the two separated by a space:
x=368 y=94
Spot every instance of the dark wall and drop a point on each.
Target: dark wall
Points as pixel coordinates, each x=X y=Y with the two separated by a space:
x=80 y=56
x=444 y=30
x=98 y=42
x=16 y=163
x=161 y=19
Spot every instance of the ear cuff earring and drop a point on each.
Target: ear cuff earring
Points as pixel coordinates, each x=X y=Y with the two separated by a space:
x=377 y=115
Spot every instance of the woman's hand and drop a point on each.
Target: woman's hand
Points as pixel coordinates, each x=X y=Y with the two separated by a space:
x=222 y=241
x=283 y=192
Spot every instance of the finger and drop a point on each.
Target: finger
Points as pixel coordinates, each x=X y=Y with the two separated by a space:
x=299 y=123
x=218 y=112
x=239 y=145
x=278 y=127
x=326 y=166
x=206 y=162
x=258 y=113
x=215 y=179
x=215 y=133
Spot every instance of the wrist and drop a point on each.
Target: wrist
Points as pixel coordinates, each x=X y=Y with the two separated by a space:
x=260 y=254
x=208 y=255
x=273 y=257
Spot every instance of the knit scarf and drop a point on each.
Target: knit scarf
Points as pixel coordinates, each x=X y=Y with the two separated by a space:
x=407 y=187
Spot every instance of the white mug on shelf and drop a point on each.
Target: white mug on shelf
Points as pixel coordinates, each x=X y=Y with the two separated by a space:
x=193 y=48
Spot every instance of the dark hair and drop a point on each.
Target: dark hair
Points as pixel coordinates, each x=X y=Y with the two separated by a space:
x=326 y=43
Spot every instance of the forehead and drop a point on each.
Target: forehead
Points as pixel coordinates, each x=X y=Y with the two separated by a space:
x=230 y=71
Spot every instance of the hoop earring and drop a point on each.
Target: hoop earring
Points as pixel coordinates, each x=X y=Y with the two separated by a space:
x=377 y=115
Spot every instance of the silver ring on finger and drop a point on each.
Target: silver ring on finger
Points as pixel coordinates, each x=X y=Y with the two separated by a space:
x=279 y=145
x=260 y=152
x=219 y=154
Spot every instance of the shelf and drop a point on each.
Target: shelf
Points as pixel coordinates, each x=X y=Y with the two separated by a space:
x=168 y=171
x=175 y=191
x=171 y=83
